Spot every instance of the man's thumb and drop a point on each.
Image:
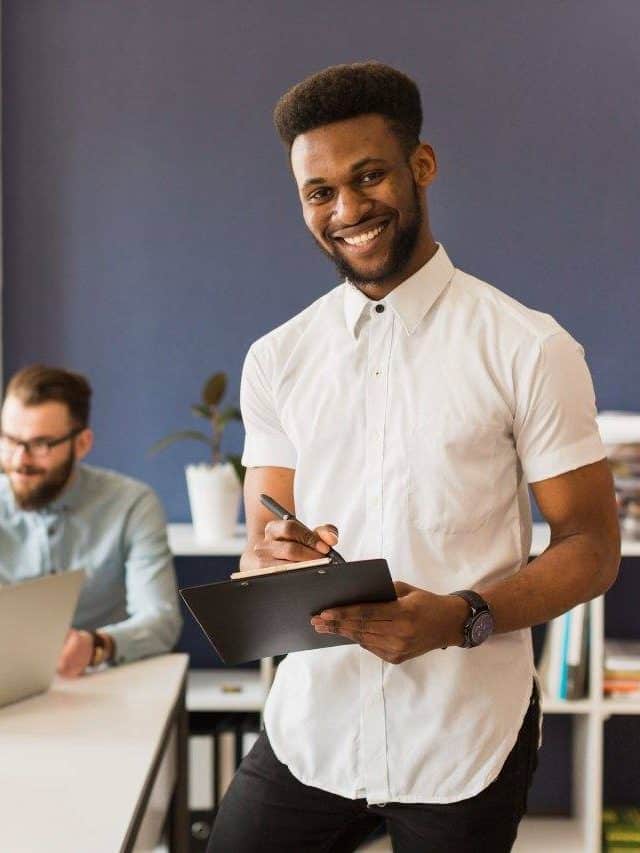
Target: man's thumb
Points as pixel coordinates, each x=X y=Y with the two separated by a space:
x=328 y=533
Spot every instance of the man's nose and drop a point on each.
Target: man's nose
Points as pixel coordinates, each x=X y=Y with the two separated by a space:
x=19 y=453
x=351 y=206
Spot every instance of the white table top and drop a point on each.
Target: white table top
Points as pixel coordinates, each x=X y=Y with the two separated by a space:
x=75 y=759
x=184 y=544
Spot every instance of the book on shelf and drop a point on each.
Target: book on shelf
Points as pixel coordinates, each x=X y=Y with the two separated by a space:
x=234 y=737
x=215 y=755
x=622 y=668
x=620 y=829
x=577 y=656
x=563 y=666
x=200 y=788
x=225 y=761
x=620 y=433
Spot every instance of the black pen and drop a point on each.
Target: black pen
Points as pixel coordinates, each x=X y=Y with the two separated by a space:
x=285 y=515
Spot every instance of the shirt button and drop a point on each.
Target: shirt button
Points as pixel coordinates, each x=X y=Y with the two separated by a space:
x=51 y=530
x=380 y=308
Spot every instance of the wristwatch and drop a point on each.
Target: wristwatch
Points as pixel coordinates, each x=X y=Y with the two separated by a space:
x=480 y=623
x=99 y=649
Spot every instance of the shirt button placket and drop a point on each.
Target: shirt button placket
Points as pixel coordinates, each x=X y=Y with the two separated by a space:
x=44 y=537
x=379 y=341
x=374 y=747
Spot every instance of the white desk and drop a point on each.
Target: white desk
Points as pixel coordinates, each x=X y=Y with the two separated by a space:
x=95 y=764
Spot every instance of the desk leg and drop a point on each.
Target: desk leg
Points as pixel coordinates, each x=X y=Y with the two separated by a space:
x=179 y=813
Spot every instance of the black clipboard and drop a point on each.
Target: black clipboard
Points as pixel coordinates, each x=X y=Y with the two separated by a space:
x=267 y=615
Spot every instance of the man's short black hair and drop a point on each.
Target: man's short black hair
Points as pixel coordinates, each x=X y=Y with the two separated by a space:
x=346 y=91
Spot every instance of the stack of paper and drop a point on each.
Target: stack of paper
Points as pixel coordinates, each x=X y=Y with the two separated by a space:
x=620 y=433
x=563 y=666
x=622 y=669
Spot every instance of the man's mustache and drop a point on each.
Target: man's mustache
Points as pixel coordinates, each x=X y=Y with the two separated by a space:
x=28 y=469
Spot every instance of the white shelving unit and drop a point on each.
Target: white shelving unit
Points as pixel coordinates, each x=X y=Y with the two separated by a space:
x=582 y=833
x=212 y=690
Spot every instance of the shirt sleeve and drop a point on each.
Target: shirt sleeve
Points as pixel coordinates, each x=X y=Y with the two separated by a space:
x=555 y=425
x=154 y=621
x=266 y=442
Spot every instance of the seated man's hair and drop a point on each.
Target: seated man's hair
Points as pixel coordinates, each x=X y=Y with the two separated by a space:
x=345 y=91
x=38 y=384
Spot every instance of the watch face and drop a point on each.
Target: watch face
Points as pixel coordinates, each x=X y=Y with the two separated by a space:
x=481 y=628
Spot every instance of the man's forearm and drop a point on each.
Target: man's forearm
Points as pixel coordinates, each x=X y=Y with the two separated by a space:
x=144 y=634
x=572 y=570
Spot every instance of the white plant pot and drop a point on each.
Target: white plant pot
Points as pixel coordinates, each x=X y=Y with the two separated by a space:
x=214 y=497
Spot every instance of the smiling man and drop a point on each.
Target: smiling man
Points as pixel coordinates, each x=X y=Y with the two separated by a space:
x=57 y=514
x=411 y=405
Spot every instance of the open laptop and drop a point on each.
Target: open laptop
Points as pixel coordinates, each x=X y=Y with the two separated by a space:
x=34 y=618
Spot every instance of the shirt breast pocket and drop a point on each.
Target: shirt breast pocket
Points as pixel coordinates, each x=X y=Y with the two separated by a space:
x=451 y=473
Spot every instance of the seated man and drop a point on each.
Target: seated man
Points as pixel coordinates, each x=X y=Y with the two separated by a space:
x=56 y=514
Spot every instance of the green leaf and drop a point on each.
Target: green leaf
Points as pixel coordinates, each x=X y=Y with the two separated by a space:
x=163 y=443
x=214 y=388
x=230 y=413
x=237 y=464
x=201 y=411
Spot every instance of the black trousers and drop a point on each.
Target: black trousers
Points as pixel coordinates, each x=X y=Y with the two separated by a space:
x=267 y=810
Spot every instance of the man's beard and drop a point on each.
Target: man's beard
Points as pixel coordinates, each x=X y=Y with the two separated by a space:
x=47 y=490
x=400 y=253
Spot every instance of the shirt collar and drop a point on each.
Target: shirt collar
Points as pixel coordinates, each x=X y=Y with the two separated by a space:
x=410 y=300
x=71 y=496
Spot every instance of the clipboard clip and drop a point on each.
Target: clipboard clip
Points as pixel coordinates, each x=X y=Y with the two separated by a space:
x=280 y=569
x=246 y=582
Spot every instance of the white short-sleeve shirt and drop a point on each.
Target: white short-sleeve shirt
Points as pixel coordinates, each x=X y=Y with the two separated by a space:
x=414 y=425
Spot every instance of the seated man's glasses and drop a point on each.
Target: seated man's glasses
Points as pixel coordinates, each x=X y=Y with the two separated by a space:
x=38 y=448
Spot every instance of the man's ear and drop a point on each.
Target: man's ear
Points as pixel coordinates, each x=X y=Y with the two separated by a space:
x=423 y=165
x=84 y=443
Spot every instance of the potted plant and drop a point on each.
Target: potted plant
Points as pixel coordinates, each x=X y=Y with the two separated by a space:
x=214 y=487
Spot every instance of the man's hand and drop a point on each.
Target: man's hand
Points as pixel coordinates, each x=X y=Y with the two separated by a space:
x=272 y=541
x=76 y=654
x=418 y=622
x=289 y=542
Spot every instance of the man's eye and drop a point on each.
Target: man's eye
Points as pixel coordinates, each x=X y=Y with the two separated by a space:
x=39 y=444
x=320 y=195
x=371 y=177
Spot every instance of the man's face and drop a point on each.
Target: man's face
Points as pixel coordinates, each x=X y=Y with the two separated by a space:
x=37 y=480
x=361 y=198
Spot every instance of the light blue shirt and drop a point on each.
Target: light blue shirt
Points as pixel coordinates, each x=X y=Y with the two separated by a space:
x=114 y=528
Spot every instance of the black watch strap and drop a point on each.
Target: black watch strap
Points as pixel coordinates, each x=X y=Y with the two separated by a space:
x=478 y=606
x=476 y=602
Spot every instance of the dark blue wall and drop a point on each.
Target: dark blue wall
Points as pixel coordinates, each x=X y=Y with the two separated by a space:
x=152 y=230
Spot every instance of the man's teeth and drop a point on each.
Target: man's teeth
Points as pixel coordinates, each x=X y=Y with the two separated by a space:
x=366 y=237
